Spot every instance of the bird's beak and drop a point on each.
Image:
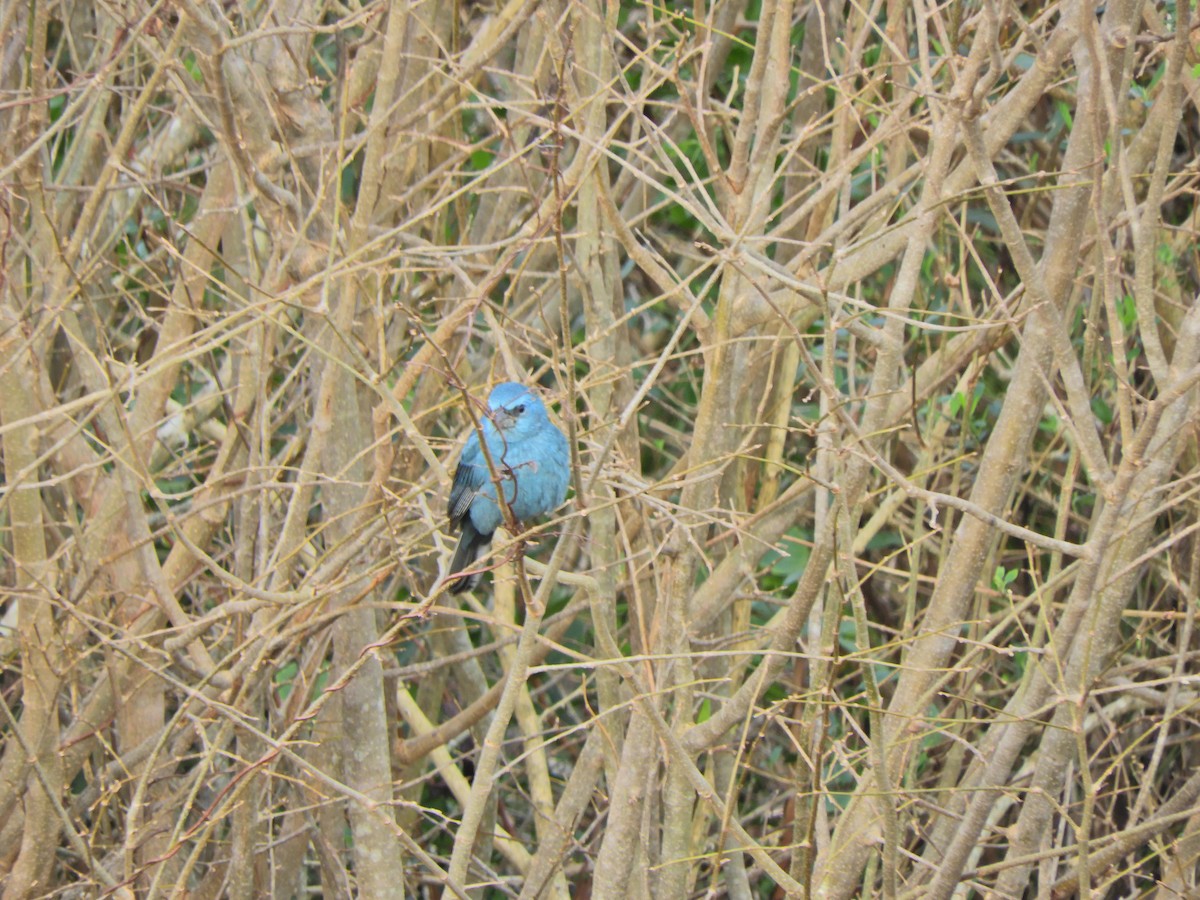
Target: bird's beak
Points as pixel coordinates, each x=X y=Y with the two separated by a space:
x=502 y=418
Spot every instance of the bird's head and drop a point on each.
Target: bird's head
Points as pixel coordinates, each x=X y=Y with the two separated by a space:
x=515 y=410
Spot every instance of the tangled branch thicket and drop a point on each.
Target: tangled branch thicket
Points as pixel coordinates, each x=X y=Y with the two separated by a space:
x=875 y=331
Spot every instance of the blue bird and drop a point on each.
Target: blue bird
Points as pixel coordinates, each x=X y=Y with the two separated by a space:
x=532 y=460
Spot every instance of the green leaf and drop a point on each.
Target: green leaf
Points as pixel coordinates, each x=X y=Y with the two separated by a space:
x=1127 y=312
x=193 y=68
x=284 y=677
x=955 y=406
x=790 y=566
x=1003 y=578
x=1064 y=110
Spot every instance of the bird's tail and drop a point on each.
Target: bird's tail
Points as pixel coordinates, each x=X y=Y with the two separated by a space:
x=470 y=545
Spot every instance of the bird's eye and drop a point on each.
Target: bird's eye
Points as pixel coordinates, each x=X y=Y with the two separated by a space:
x=517 y=410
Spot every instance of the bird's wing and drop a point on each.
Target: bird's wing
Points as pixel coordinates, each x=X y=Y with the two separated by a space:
x=469 y=477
